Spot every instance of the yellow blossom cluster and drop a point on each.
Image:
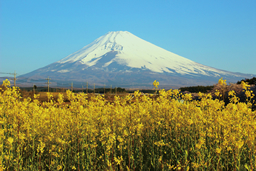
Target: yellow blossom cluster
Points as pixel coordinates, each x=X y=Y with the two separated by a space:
x=155 y=132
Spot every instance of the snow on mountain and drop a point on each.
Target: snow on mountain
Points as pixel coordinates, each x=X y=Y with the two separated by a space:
x=122 y=58
x=135 y=52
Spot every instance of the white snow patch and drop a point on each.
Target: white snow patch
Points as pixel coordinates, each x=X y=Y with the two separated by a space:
x=92 y=62
x=107 y=64
x=63 y=71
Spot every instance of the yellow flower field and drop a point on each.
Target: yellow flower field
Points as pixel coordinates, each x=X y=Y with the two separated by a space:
x=132 y=133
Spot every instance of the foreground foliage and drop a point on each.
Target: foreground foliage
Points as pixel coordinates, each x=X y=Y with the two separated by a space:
x=132 y=133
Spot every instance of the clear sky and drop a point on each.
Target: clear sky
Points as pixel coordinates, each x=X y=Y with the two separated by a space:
x=216 y=33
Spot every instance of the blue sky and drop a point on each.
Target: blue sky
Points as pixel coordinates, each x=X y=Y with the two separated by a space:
x=216 y=33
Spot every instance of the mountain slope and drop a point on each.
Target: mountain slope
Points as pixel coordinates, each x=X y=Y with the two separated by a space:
x=124 y=59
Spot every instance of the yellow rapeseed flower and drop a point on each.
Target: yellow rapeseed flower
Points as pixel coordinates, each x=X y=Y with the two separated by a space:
x=222 y=82
x=106 y=130
x=218 y=150
x=155 y=83
x=59 y=167
x=10 y=140
x=244 y=85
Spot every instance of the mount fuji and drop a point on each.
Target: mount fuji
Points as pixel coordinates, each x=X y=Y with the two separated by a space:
x=122 y=59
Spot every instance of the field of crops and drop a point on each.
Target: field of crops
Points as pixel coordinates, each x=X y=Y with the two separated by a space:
x=130 y=133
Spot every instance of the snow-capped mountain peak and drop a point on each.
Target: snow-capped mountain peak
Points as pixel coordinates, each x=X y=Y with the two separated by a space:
x=120 y=56
x=130 y=50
